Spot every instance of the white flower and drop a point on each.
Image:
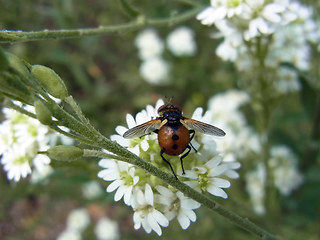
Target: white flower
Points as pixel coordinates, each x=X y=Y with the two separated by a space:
x=16 y=163
x=91 y=190
x=134 y=145
x=287 y=80
x=155 y=70
x=177 y=205
x=231 y=167
x=206 y=178
x=263 y=18
x=40 y=176
x=247 y=142
x=69 y=234
x=145 y=214
x=21 y=138
x=106 y=229
x=255 y=184
x=228 y=101
x=181 y=42
x=219 y=10
x=225 y=113
x=78 y=219
x=284 y=164
x=149 y=44
x=136 y=186
x=290 y=44
x=123 y=177
x=240 y=139
x=6 y=136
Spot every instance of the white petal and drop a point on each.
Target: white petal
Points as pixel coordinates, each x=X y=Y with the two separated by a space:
x=146 y=226
x=140 y=198
x=205 y=13
x=222 y=183
x=160 y=218
x=190 y=204
x=135 y=180
x=217 y=191
x=144 y=145
x=150 y=111
x=197 y=113
x=159 y=103
x=121 y=140
x=114 y=185
x=121 y=130
x=231 y=174
x=191 y=215
x=120 y=192
x=108 y=174
x=183 y=221
x=130 y=121
x=190 y=174
x=139 y=118
x=165 y=191
x=214 y=162
x=107 y=163
x=123 y=166
x=136 y=220
x=153 y=224
x=148 y=194
x=274 y=7
x=127 y=196
x=217 y=170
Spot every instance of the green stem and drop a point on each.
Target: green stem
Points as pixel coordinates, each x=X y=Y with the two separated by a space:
x=265 y=100
x=7 y=36
x=80 y=115
x=188 y=191
x=76 y=137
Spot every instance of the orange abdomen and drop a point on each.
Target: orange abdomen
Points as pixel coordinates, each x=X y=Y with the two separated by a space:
x=173 y=139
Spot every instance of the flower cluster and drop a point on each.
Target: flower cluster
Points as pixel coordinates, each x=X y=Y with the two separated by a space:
x=241 y=139
x=78 y=221
x=285 y=174
x=244 y=144
x=21 y=138
x=277 y=31
x=284 y=164
x=155 y=203
x=154 y=68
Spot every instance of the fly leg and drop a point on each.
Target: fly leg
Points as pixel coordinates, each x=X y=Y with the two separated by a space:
x=192 y=133
x=161 y=154
x=183 y=156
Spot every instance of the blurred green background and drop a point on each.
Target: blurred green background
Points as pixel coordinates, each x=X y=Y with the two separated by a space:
x=102 y=74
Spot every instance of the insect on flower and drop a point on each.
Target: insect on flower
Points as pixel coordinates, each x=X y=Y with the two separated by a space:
x=175 y=132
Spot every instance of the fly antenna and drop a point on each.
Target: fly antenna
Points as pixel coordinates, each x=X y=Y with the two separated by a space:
x=168 y=100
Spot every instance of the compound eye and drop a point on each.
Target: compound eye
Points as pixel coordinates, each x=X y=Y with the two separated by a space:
x=160 y=109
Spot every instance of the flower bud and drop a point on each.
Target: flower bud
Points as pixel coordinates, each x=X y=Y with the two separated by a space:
x=4 y=63
x=65 y=153
x=43 y=113
x=50 y=81
x=17 y=64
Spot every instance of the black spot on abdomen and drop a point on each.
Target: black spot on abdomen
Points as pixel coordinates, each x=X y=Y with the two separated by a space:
x=174 y=146
x=175 y=137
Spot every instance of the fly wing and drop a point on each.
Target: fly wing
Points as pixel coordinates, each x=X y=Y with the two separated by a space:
x=203 y=127
x=143 y=129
